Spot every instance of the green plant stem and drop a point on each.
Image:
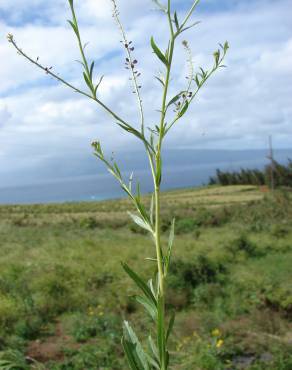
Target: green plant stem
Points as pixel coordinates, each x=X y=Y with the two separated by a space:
x=189 y=14
x=159 y=252
x=81 y=47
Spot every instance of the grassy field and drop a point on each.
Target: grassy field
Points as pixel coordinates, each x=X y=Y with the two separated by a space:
x=63 y=293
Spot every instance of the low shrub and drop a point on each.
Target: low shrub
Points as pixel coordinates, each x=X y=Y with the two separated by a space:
x=193 y=273
x=97 y=323
x=279 y=231
x=243 y=244
x=280 y=299
x=88 y=223
x=185 y=225
x=29 y=328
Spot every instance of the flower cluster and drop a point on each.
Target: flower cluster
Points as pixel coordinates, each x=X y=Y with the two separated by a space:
x=217 y=341
x=96 y=311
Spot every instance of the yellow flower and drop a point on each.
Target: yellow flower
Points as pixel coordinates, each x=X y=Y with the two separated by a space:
x=219 y=343
x=215 y=333
x=101 y=313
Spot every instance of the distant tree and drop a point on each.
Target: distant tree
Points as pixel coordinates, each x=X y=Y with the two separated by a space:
x=282 y=176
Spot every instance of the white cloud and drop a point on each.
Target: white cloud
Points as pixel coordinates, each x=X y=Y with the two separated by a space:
x=239 y=108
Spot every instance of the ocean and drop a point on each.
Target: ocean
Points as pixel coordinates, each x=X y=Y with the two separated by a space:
x=182 y=168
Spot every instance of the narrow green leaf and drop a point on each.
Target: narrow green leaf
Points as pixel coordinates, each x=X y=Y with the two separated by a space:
x=74 y=27
x=151 y=212
x=175 y=99
x=170 y=325
x=197 y=81
x=139 y=352
x=150 y=284
x=129 y=349
x=99 y=82
x=153 y=348
x=140 y=222
x=148 y=305
x=170 y=245
x=87 y=80
x=216 y=57
x=152 y=362
x=176 y=21
x=158 y=52
x=140 y=283
x=184 y=109
x=91 y=70
x=160 y=80
x=204 y=73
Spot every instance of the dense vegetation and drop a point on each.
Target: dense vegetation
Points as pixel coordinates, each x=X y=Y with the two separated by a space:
x=273 y=175
x=60 y=288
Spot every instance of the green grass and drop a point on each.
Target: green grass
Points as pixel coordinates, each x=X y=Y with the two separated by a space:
x=63 y=292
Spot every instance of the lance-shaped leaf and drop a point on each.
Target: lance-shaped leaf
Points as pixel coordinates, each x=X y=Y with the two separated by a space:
x=140 y=222
x=151 y=211
x=88 y=81
x=175 y=99
x=170 y=325
x=149 y=306
x=130 y=353
x=140 y=283
x=150 y=284
x=153 y=348
x=176 y=21
x=91 y=70
x=160 y=80
x=158 y=52
x=170 y=245
x=152 y=362
x=98 y=84
x=184 y=109
x=217 y=57
x=74 y=27
x=136 y=350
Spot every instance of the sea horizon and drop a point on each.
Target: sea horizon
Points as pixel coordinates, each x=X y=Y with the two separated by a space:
x=183 y=168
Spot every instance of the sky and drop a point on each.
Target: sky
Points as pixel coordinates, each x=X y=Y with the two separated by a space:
x=43 y=123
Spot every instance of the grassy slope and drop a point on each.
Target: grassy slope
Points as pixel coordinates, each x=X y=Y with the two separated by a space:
x=63 y=293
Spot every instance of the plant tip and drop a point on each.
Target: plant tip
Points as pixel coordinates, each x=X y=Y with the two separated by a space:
x=10 y=37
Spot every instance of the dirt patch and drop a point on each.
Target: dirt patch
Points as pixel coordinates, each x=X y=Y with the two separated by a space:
x=51 y=348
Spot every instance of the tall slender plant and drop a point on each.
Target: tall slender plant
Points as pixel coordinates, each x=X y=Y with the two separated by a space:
x=153 y=292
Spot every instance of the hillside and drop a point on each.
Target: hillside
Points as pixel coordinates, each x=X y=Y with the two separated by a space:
x=63 y=292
